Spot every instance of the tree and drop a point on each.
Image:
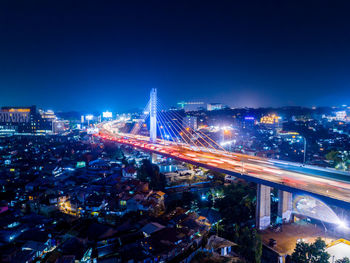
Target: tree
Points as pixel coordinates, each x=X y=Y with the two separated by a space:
x=310 y=253
x=149 y=172
x=257 y=246
x=318 y=252
x=250 y=245
x=237 y=204
x=218 y=228
x=187 y=198
x=145 y=171
x=343 y=260
x=300 y=253
x=341 y=160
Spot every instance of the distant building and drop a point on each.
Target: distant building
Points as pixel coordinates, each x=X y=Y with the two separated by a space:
x=107 y=115
x=47 y=115
x=190 y=106
x=214 y=106
x=248 y=122
x=59 y=126
x=190 y=122
x=24 y=120
x=340 y=115
x=270 y=119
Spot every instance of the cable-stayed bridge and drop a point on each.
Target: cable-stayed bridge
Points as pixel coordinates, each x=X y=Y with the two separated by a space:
x=169 y=137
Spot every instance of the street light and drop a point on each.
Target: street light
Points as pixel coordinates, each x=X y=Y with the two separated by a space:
x=89 y=118
x=304 y=150
x=342 y=224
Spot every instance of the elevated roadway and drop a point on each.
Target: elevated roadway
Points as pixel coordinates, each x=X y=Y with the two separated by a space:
x=330 y=186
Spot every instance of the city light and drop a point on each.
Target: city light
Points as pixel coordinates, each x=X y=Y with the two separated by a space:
x=270 y=119
x=231 y=160
x=107 y=114
x=89 y=117
x=343 y=225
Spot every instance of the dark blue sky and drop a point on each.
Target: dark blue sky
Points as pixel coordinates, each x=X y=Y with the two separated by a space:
x=98 y=55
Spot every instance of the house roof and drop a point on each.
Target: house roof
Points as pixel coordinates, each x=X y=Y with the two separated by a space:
x=339 y=249
x=216 y=242
x=152 y=227
x=160 y=193
x=33 y=245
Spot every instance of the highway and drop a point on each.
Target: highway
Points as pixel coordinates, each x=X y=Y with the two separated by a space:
x=330 y=186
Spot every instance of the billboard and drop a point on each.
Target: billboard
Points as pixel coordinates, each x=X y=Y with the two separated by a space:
x=107 y=114
x=89 y=117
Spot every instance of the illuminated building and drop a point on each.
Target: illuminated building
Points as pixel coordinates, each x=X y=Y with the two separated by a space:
x=272 y=122
x=107 y=114
x=190 y=106
x=340 y=115
x=59 y=126
x=24 y=120
x=214 y=106
x=49 y=115
x=48 y=118
x=248 y=122
x=270 y=119
x=190 y=122
x=291 y=137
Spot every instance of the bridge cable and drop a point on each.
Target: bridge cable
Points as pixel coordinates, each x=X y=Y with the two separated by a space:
x=184 y=130
x=181 y=131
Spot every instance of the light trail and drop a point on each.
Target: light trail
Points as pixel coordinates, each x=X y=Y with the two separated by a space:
x=254 y=168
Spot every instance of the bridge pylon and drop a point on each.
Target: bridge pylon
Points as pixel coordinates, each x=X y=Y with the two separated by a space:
x=153 y=115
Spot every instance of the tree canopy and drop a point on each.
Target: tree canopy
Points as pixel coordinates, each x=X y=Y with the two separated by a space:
x=310 y=253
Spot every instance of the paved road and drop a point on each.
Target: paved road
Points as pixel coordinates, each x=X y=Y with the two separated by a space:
x=333 y=186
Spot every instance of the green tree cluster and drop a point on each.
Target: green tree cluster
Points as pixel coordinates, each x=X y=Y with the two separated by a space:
x=250 y=244
x=237 y=204
x=340 y=159
x=310 y=253
x=149 y=172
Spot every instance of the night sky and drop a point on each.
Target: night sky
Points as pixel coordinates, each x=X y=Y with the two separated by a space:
x=99 y=55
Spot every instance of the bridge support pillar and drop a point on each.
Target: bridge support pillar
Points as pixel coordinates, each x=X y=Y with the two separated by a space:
x=285 y=206
x=263 y=207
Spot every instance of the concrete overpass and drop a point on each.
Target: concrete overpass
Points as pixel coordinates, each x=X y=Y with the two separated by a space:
x=329 y=186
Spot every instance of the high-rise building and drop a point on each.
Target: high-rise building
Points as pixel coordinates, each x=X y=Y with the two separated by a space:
x=24 y=120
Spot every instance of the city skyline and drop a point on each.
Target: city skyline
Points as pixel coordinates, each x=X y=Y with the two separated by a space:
x=85 y=56
x=175 y=131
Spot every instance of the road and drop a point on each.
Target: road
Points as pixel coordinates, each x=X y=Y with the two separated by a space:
x=330 y=186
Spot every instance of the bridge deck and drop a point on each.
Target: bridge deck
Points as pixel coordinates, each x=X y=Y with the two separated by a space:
x=332 y=187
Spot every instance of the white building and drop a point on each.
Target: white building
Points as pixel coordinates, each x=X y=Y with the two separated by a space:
x=338 y=249
x=214 y=106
